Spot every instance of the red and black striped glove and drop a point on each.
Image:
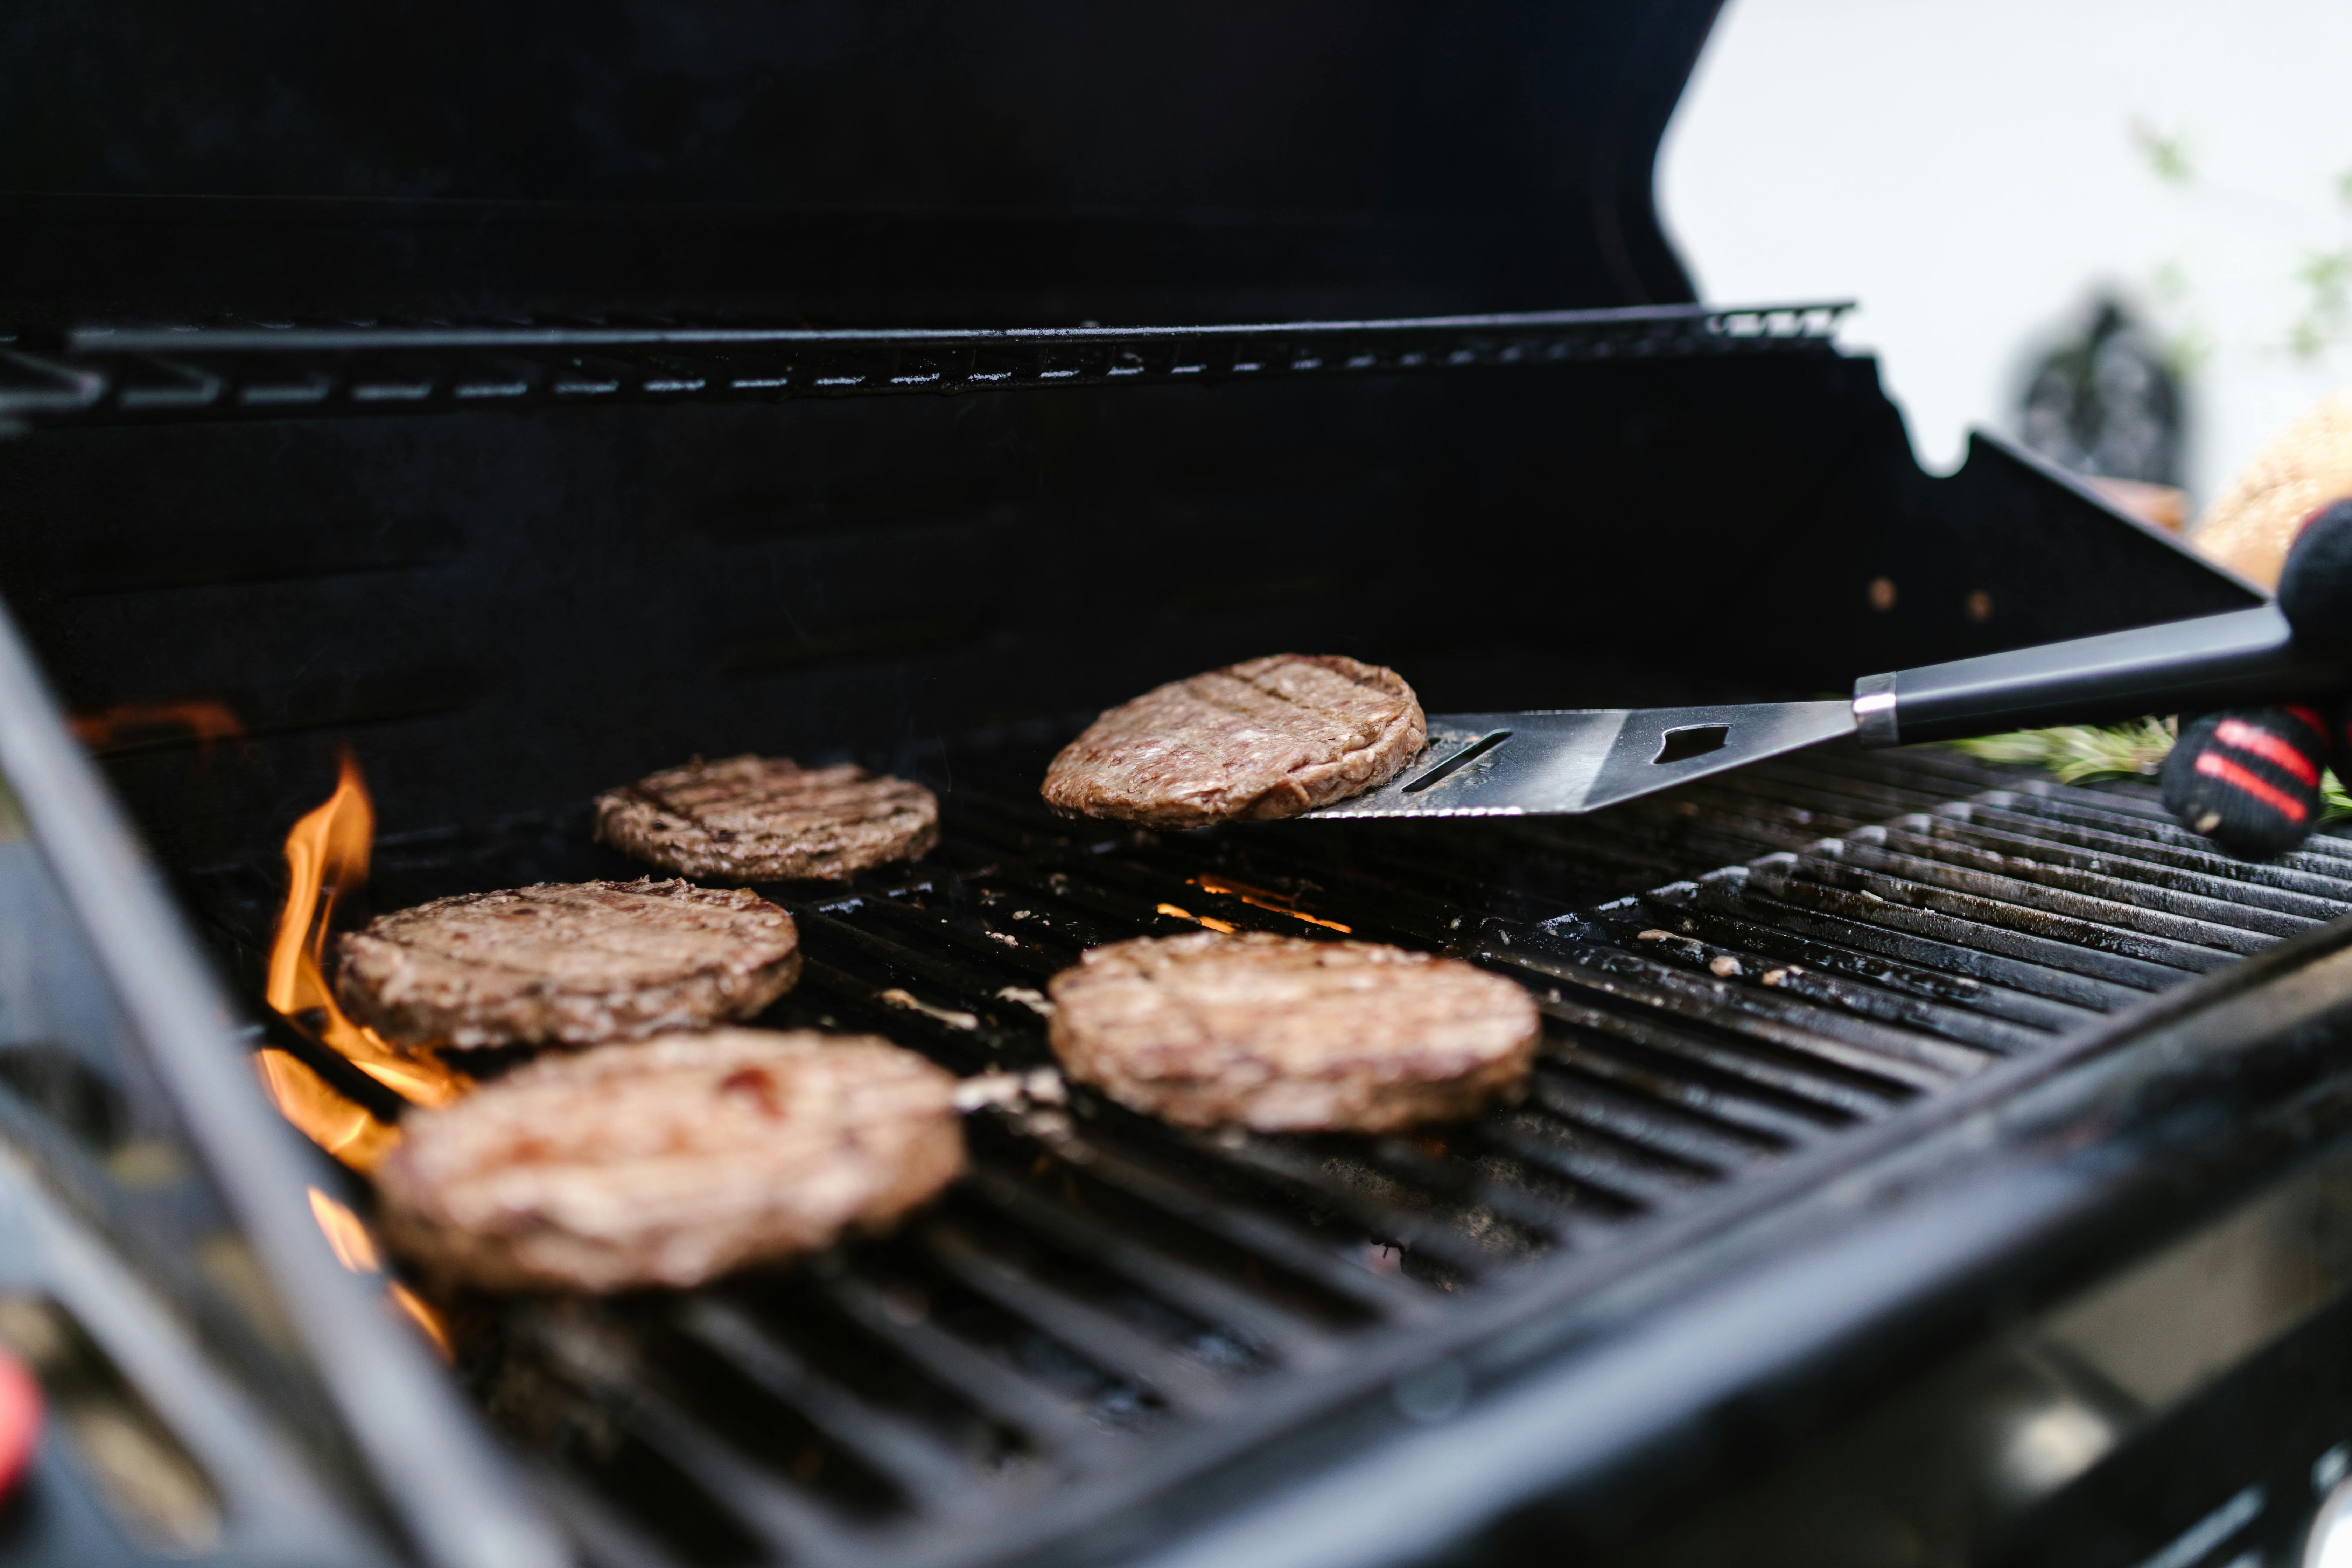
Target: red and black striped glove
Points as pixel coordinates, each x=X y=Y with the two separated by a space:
x=2248 y=778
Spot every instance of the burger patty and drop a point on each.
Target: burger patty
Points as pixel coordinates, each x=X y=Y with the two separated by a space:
x=765 y=819
x=669 y=1161
x=1279 y=1033
x=1268 y=738
x=567 y=963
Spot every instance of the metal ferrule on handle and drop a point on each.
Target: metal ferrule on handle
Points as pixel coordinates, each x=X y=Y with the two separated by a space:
x=2186 y=667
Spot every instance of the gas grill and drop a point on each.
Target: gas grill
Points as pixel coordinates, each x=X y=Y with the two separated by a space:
x=1927 y=1162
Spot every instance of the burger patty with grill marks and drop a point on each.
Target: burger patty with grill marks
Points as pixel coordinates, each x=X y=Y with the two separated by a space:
x=670 y=1161
x=1279 y=1033
x=567 y=963
x=1264 y=739
x=766 y=819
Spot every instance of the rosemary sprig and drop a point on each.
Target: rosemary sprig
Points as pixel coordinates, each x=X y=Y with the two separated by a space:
x=2074 y=753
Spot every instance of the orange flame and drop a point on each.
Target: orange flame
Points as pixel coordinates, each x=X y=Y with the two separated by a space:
x=355 y=1250
x=1210 y=920
x=326 y=854
x=1265 y=899
x=203 y=717
x=343 y=1126
x=415 y=1308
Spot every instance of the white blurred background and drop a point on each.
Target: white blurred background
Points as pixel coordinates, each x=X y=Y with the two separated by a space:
x=1977 y=173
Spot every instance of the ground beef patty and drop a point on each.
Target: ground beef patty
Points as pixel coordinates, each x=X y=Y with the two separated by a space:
x=567 y=962
x=669 y=1161
x=1268 y=738
x=1282 y=1034
x=765 y=819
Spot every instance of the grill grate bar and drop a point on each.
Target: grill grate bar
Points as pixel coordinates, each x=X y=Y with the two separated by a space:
x=1999 y=856
x=2265 y=885
x=1675 y=1114
x=1291 y=1169
x=1252 y=1319
x=1102 y=1339
x=1696 y=916
x=1560 y=1146
x=2323 y=854
x=2224 y=899
x=1739 y=892
x=1888 y=879
x=793 y=1524
x=1649 y=1145
x=924 y=1470
x=973 y=990
x=1661 y=1046
x=999 y=1392
x=982 y=944
x=1880 y=1004
x=594 y=1358
x=1857 y=1047
x=1958 y=920
x=1279 y=1245
x=607 y=1538
x=1437 y=1163
x=2186 y=943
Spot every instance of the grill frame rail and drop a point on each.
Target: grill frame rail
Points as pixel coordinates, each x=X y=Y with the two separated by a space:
x=246 y=370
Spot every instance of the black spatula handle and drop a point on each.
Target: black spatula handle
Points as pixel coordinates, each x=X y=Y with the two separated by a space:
x=2245 y=656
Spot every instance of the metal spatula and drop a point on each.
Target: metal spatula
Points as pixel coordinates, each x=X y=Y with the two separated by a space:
x=1576 y=760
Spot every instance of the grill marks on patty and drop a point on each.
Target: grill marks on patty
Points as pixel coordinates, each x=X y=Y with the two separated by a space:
x=1281 y=1033
x=567 y=963
x=1264 y=739
x=761 y=819
x=670 y=1161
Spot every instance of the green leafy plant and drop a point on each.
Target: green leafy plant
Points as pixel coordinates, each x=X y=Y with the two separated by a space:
x=2322 y=277
x=2075 y=753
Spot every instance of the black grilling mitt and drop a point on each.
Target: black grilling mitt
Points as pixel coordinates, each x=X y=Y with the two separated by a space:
x=2248 y=778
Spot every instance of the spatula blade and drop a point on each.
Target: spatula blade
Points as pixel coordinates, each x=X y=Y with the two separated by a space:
x=1581 y=759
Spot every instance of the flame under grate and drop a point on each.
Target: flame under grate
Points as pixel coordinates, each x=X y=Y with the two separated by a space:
x=1731 y=975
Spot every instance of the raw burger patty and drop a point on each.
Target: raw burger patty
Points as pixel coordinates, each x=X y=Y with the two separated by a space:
x=1282 y=1034
x=766 y=819
x=669 y=1161
x=1268 y=738
x=567 y=962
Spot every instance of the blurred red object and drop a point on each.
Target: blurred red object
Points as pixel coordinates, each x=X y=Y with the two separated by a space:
x=20 y=1422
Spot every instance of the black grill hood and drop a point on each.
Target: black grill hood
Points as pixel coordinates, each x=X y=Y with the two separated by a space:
x=911 y=161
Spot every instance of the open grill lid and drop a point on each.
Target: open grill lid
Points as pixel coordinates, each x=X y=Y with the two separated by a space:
x=911 y=162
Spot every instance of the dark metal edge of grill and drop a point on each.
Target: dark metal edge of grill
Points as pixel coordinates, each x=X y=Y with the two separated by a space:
x=148 y=373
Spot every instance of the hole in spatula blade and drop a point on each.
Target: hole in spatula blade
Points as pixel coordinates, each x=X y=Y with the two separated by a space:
x=1691 y=741
x=1458 y=761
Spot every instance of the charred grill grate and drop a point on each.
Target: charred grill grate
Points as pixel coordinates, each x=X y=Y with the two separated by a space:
x=1733 y=975
x=237 y=369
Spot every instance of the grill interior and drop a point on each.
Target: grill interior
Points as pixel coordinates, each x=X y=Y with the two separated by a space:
x=1109 y=1307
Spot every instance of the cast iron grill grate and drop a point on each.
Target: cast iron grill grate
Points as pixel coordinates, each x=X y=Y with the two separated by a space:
x=242 y=369
x=1732 y=976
